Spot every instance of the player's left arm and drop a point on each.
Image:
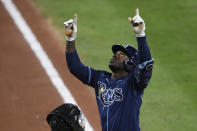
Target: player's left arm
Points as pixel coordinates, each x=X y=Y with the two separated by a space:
x=144 y=69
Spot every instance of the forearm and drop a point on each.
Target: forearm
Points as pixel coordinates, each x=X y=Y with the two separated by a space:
x=75 y=66
x=143 y=49
x=70 y=46
x=144 y=71
x=72 y=58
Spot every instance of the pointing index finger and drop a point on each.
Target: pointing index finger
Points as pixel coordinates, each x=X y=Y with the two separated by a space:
x=137 y=11
x=75 y=19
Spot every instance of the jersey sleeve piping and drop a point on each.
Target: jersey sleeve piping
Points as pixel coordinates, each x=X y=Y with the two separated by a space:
x=90 y=75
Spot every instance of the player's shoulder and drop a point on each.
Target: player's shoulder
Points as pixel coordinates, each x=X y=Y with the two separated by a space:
x=103 y=73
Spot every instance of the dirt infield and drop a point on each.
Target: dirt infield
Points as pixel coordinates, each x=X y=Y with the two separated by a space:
x=26 y=94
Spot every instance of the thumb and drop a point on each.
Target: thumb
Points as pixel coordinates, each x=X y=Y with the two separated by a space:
x=130 y=20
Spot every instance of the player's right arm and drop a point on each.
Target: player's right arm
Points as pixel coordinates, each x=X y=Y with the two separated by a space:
x=71 y=33
x=75 y=66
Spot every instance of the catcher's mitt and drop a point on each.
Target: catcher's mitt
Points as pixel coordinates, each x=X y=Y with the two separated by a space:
x=66 y=117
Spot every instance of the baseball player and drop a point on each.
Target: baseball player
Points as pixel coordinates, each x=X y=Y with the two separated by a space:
x=118 y=94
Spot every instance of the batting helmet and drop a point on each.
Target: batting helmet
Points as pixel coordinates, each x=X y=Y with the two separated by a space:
x=129 y=50
x=130 y=63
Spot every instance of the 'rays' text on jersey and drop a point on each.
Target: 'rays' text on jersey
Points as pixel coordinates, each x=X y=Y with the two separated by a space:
x=109 y=96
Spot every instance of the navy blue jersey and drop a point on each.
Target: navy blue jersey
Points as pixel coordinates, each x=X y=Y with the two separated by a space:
x=118 y=100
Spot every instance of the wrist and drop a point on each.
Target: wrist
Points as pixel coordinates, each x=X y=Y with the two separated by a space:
x=72 y=38
x=142 y=34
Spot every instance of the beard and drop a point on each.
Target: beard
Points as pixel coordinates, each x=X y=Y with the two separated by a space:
x=116 y=68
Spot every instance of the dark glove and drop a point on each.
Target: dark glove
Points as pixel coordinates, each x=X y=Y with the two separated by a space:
x=66 y=117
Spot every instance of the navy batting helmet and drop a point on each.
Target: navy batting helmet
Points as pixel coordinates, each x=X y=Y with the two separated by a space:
x=129 y=50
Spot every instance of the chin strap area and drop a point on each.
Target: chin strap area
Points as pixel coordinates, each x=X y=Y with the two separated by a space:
x=129 y=65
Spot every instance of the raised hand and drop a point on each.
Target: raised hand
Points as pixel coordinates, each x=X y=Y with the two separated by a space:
x=137 y=24
x=71 y=28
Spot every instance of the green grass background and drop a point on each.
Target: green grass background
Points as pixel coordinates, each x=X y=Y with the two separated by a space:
x=170 y=101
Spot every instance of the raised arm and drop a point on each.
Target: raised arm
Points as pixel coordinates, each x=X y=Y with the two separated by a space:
x=144 y=68
x=75 y=66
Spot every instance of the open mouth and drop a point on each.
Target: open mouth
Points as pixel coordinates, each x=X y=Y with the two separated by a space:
x=112 y=60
